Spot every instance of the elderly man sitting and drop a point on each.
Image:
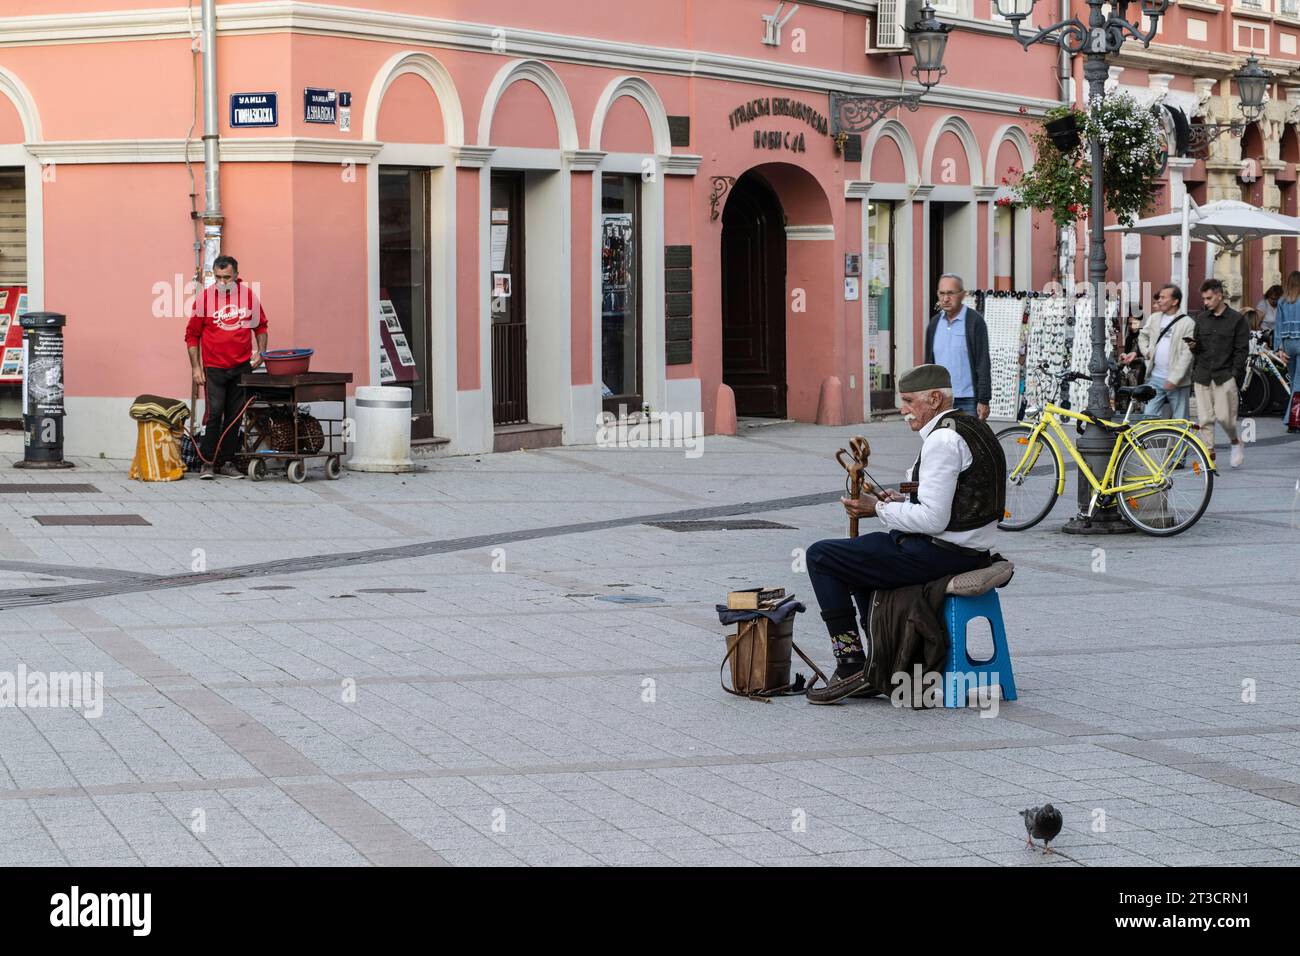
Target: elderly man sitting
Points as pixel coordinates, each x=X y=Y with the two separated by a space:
x=945 y=526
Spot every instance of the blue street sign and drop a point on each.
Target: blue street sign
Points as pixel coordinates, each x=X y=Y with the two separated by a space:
x=320 y=106
x=254 y=109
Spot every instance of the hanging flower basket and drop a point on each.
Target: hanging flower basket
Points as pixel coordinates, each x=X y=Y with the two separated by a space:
x=1060 y=181
x=1133 y=141
x=1064 y=132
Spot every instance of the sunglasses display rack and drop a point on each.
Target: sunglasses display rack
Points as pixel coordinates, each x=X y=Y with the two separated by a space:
x=1049 y=329
x=1081 y=356
x=1004 y=314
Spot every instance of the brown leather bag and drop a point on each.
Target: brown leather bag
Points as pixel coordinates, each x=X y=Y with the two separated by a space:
x=759 y=654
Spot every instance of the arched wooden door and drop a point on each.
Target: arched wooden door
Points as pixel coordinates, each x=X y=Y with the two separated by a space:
x=753 y=299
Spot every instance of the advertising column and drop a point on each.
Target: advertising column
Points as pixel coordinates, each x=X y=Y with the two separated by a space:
x=43 y=390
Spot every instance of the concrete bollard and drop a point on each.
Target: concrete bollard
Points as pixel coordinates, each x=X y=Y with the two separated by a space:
x=724 y=416
x=383 y=435
x=830 y=403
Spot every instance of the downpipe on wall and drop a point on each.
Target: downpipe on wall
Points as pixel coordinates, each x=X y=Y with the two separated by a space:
x=213 y=219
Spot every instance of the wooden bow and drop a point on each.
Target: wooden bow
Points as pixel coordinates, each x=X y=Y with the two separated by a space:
x=854 y=461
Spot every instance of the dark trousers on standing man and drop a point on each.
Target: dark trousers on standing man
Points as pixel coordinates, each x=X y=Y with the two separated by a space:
x=225 y=399
x=845 y=570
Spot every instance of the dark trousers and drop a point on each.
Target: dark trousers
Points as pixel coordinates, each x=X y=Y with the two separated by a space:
x=225 y=399
x=967 y=405
x=844 y=570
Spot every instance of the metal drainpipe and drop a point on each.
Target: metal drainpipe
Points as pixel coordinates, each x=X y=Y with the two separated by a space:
x=212 y=216
x=1066 y=72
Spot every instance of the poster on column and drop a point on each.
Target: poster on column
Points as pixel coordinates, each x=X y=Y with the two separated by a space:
x=396 y=360
x=13 y=303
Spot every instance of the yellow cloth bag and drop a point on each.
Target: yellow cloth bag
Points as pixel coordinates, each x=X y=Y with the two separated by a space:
x=157 y=454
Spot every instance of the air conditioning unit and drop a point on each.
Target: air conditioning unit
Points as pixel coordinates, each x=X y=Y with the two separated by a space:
x=891 y=17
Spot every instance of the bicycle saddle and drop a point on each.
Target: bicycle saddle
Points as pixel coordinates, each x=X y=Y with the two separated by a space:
x=1139 y=393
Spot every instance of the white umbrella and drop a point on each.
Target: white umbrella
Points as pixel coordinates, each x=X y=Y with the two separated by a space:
x=1226 y=222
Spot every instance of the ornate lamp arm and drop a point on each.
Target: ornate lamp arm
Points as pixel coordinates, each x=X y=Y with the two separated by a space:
x=1075 y=35
x=1071 y=34
x=1145 y=36
x=1202 y=134
x=857 y=114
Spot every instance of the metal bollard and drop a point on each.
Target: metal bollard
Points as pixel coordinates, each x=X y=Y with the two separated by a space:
x=43 y=409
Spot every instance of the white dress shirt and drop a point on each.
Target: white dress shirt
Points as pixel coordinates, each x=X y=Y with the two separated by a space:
x=944 y=455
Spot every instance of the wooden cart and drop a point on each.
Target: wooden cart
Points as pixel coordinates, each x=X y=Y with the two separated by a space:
x=278 y=397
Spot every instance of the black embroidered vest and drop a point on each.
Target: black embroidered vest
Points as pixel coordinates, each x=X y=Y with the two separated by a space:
x=981 y=493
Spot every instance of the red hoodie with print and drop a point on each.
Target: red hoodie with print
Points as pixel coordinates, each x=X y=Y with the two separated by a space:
x=223 y=324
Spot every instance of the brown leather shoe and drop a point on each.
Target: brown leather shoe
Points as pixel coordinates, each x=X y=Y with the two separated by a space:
x=841 y=687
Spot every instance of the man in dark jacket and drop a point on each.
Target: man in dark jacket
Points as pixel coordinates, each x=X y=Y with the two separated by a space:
x=958 y=339
x=1220 y=347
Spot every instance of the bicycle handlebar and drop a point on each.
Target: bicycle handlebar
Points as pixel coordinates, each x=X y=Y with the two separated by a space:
x=1067 y=375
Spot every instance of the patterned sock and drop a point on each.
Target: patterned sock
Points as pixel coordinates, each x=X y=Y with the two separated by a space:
x=848 y=645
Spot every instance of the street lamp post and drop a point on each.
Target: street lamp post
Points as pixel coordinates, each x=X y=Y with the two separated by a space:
x=1101 y=35
x=927 y=40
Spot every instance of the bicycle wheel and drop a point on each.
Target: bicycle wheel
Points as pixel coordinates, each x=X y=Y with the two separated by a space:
x=1279 y=397
x=1033 y=476
x=1254 y=393
x=1182 y=482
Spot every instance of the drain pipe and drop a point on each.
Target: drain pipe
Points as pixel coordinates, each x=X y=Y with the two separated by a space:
x=212 y=216
x=1066 y=76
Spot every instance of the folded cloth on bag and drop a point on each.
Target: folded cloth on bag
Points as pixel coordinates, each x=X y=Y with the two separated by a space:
x=154 y=408
x=776 y=615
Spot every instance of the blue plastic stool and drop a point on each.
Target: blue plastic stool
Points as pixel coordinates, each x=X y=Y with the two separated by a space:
x=958 y=612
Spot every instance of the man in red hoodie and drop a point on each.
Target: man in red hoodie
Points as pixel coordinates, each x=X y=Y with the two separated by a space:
x=225 y=317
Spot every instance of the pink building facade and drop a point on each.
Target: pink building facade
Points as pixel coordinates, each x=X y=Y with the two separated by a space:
x=529 y=213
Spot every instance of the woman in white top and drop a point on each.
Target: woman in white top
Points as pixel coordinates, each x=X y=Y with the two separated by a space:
x=1267 y=307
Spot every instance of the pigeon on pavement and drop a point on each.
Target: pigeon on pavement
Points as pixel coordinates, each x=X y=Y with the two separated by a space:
x=1044 y=823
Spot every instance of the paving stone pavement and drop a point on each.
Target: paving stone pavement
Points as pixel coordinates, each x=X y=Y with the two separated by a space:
x=485 y=704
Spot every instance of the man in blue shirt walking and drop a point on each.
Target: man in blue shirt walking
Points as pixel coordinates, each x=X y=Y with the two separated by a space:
x=958 y=339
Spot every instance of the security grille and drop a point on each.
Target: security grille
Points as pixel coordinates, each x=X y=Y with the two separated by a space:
x=13 y=229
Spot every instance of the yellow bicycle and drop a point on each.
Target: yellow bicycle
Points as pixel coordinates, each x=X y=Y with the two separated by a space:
x=1160 y=475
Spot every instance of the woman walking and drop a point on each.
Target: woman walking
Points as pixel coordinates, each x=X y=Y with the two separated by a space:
x=1286 y=338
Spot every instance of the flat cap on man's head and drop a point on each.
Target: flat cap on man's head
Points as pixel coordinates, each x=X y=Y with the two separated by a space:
x=924 y=378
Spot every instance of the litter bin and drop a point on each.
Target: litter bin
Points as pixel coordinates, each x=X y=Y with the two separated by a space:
x=383 y=430
x=43 y=409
